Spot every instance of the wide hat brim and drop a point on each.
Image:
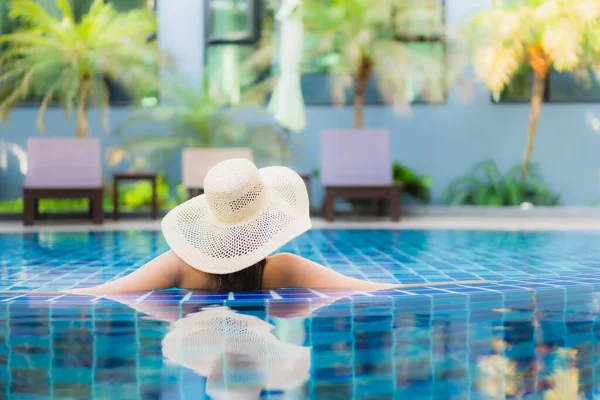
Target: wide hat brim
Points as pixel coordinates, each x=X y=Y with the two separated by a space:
x=217 y=247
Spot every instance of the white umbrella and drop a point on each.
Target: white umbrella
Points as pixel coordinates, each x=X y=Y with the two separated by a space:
x=287 y=104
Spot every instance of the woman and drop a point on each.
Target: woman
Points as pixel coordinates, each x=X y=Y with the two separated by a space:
x=222 y=240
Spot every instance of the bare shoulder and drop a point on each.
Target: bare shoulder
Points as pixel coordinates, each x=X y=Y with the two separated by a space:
x=280 y=270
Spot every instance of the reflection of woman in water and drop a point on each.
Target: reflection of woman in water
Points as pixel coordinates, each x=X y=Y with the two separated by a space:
x=238 y=354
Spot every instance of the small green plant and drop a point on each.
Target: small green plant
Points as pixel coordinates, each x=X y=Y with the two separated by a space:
x=132 y=197
x=139 y=194
x=485 y=186
x=11 y=206
x=53 y=205
x=416 y=186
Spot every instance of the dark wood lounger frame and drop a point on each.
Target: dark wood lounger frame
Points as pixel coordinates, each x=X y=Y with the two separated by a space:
x=393 y=194
x=32 y=196
x=120 y=177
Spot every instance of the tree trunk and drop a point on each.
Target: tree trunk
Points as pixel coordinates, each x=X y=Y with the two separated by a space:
x=82 y=123
x=540 y=66
x=360 y=88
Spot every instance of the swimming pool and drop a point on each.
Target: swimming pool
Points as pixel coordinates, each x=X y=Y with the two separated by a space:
x=532 y=334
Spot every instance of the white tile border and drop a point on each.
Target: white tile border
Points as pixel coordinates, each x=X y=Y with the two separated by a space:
x=506 y=223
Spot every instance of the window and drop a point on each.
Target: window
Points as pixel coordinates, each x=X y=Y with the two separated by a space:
x=80 y=7
x=427 y=39
x=238 y=36
x=232 y=21
x=118 y=96
x=560 y=87
x=235 y=27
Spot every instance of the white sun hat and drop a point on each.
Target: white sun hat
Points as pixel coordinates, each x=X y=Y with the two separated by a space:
x=244 y=215
x=237 y=353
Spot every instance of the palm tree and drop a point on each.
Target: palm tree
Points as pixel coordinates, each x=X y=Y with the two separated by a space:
x=541 y=34
x=68 y=61
x=364 y=38
x=202 y=118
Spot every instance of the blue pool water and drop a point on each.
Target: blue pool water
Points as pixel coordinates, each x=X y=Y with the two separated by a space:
x=532 y=334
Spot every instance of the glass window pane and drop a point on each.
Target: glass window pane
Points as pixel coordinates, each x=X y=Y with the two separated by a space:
x=316 y=90
x=223 y=63
x=411 y=21
x=229 y=19
x=429 y=84
x=316 y=82
x=117 y=94
x=565 y=87
x=81 y=8
x=6 y=24
x=519 y=88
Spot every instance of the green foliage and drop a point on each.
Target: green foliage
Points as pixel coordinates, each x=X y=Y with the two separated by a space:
x=181 y=193
x=417 y=186
x=565 y=34
x=132 y=197
x=139 y=194
x=342 y=35
x=202 y=119
x=63 y=60
x=11 y=206
x=53 y=205
x=485 y=186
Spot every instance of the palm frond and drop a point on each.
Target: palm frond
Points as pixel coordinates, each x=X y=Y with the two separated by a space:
x=196 y=119
x=42 y=110
x=61 y=56
x=348 y=32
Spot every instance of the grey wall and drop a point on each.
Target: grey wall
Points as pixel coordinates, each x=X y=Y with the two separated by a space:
x=442 y=141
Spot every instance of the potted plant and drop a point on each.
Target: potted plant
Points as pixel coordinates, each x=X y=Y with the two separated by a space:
x=540 y=35
x=71 y=62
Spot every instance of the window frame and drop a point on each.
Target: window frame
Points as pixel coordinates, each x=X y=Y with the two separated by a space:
x=546 y=98
x=253 y=21
x=253 y=39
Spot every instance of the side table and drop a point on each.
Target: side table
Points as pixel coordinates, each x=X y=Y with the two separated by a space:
x=118 y=177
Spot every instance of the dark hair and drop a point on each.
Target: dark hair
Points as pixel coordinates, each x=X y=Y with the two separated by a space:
x=245 y=280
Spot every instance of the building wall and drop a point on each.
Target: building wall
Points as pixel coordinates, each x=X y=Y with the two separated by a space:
x=443 y=141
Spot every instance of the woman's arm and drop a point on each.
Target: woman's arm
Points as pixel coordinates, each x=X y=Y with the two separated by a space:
x=163 y=272
x=289 y=270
